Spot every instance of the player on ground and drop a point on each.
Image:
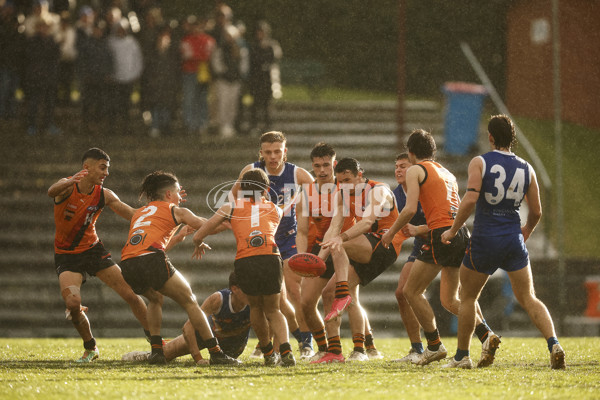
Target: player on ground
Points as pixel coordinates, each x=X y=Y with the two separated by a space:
x=78 y=252
x=229 y=317
x=285 y=181
x=314 y=213
x=258 y=265
x=149 y=271
x=357 y=255
x=498 y=182
x=411 y=324
x=436 y=189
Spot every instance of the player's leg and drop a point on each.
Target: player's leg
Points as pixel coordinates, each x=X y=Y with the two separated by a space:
x=411 y=324
x=192 y=344
x=154 y=318
x=113 y=278
x=311 y=293
x=293 y=286
x=356 y=319
x=522 y=284
x=70 y=284
x=278 y=325
x=177 y=347
x=372 y=351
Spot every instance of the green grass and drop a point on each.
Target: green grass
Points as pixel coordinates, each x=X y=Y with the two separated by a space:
x=36 y=368
x=580 y=180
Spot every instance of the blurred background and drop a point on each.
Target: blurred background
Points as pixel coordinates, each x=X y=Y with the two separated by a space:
x=188 y=86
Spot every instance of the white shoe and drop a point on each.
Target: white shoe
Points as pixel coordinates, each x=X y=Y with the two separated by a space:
x=257 y=353
x=557 y=357
x=357 y=356
x=306 y=352
x=488 y=350
x=136 y=356
x=374 y=354
x=465 y=363
x=429 y=356
x=412 y=357
x=317 y=356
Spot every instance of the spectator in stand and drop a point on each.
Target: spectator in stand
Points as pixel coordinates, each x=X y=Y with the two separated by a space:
x=66 y=38
x=127 y=69
x=229 y=65
x=265 y=54
x=12 y=46
x=41 y=11
x=41 y=71
x=94 y=68
x=196 y=49
x=152 y=23
x=162 y=72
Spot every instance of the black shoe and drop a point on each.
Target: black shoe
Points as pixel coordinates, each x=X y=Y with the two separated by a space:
x=288 y=360
x=223 y=359
x=157 y=358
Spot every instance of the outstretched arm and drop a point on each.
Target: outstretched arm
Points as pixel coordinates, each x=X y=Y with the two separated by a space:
x=120 y=208
x=62 y=188
x=208 y=228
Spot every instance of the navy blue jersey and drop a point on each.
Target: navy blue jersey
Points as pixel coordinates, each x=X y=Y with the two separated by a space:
x=417 y=219
x=505 y=181
x=283 y=188
x=228 y=324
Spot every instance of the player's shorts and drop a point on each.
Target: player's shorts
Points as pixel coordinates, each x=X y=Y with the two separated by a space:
x=233 y=346
x=381 y=259
x=287 y=244
x=417 y=249
x=486 y=254
x=329 y=271
x=445 y=255
x=147 y=271
x=89 y=262
x=259 y=275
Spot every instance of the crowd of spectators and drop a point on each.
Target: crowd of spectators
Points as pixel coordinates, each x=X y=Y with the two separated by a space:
x=199 y=74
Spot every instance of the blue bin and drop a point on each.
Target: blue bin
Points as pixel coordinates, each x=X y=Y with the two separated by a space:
x=464 y=102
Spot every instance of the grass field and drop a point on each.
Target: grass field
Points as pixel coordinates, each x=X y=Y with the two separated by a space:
x=43 y=368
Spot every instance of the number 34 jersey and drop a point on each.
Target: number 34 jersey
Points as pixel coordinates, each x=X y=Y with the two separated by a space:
x=151 y=229
x=505 y=181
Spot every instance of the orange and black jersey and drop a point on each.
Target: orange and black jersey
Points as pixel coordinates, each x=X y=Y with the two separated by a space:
x=438 y=195
x=75 y=219
x=254 y=225
x=151 y=229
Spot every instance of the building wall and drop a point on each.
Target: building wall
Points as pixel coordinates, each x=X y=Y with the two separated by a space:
x=529 y=60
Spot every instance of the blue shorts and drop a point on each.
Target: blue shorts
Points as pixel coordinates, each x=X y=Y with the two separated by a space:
x=287 y=245
x=486 y=254
x=417 y=249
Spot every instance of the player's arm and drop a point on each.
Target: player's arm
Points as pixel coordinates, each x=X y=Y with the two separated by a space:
x=189 y=334
x=535 y=206
x=376 y=200
x=63 y=187
x=414 y=175
x=237 y=185
x=467 y=204
x=212 y=304
x=303 y=222
x=208 y=228
x=120 y=208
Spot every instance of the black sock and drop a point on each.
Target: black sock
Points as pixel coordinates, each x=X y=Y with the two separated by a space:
x=156 y=343
x=482 y=331
x=90 y=344
x=285 y=348
x=433 y=340
x=147 y=333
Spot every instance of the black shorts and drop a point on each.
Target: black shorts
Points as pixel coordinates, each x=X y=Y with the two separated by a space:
x=147 y=271
x=233 y=346
x=329 y=271
x=89 y=262
x=381 y=259
x=259 y=275
x=445 y=255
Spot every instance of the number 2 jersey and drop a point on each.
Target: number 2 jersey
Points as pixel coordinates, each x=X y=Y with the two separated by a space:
x=75 y=219
x=151 y=229
x=505 y=181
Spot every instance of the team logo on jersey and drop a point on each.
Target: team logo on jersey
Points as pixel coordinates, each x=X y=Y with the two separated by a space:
x=256 y=241
x=136 y=239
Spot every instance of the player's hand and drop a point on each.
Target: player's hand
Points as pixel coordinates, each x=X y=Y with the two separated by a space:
x=410 y=230
x=386 y=239
x=183 y=195
x=199 y=250
x=78 y=176
x=333 y=244
x=447 y=236
x=526 y=233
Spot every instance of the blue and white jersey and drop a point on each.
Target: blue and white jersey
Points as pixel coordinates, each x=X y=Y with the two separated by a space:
x=283 y=188
x=505 y=181
x=226 y=323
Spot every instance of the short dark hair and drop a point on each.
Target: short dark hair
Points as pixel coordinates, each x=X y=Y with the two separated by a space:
x=95 y=154
x=348 y=164
x=402 y=156
x=502 y=130
x=254 y=182
x=322 y=149
x=155 y=183
x=421 y=144
x=233 y=280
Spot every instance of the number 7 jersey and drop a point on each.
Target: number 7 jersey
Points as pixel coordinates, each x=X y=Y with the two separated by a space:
x=505 y=179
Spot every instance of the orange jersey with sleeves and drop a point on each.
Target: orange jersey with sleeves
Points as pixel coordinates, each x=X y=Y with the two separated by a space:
x=151 y=229
x=319 y=205
x=438 y=195
x=75 y=219
x=254 y=225
x=356 y=204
